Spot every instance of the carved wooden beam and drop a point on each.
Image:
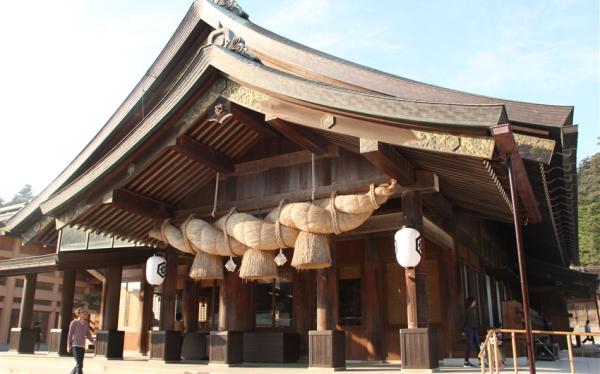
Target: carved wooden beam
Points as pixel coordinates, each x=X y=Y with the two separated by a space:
x=505 y=141
x=139 y=204
x=252 y=120
x=34 y=230
x=424 y=182
x=282 y=161
x=305 y=138
x=388 y=160
x=203 y=154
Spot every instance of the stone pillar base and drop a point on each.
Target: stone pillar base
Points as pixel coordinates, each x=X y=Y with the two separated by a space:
x=109 y=344
x=22 y=340
x=417 y=349
x=194 y=346
x=165 y=345
x=327 y=349
x=225 y=347
x=57 y=342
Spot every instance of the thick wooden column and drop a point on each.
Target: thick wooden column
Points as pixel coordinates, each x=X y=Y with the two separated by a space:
x=26 y=312
x=235 y=316
x=166 y=343
x=190 y=305
x=22 y=338
x=110 y=340
x=169 y=293
x=326 y=345
x=303 y=306
x=327 y=294
x=113 y=298
x=147 y=297
x=373 y=299
x=417 y=345
x=58 y=337
x=412 y=207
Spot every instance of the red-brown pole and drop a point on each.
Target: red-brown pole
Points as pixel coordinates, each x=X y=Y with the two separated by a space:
x=411 y=298
x=522 y=271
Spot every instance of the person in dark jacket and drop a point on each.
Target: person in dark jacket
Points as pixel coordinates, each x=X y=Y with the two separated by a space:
x=37 y=330
x=470 y=328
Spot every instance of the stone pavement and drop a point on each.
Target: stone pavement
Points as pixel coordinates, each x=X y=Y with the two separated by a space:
x=41 y=363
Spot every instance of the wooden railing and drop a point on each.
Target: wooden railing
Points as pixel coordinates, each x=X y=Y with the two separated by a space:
x=490 y=349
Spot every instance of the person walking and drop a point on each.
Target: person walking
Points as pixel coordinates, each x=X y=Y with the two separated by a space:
x=471 y=327
x=37 y=330
x=78 y=331
x=588 y=329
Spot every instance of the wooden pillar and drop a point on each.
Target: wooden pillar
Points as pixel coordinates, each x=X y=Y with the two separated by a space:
x=113 y=298
x=412 y=208
x=166 y=343
x=169 y=293
x=327 y=294
x=235 y=316
x=147 y=297
x=417 y=345
x=190 y=305
x=58 y=337
x=26 y=312
x=373 y=300
x=326 y=345
x=109 y=341
x=303 y=306
x=22 y=338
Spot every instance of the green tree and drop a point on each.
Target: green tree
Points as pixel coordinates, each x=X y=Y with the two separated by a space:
x=23 y=196
x=589 y=210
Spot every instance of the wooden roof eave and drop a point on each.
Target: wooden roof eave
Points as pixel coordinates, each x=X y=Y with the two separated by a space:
x=274 y=82
x=315 y=64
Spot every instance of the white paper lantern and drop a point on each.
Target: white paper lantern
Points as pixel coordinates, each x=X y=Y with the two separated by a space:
x=408 y=247
x=156 y=270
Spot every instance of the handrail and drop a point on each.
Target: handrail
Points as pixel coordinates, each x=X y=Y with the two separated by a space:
x=492 y=347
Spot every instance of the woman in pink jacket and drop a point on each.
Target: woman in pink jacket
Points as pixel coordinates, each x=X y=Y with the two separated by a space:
x=78 y=331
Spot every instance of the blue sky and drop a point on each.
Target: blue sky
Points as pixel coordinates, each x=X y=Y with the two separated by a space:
x=67 y=64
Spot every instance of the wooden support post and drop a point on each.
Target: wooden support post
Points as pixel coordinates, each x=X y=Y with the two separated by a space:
x=373 y=299
x=148 y=317
x=22 y=338
x=226 y=345
x=110 y=340
x=169 y=293
x=26 y=312
x=326 y=345
x=570 y=349
x=417 y=345
x=411 y=298
x=513 y=343
x=58 y=337
x=303 y=307
x=190 y=305
x=166 y=343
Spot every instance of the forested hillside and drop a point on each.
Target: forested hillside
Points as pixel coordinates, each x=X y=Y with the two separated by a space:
x=589 y=210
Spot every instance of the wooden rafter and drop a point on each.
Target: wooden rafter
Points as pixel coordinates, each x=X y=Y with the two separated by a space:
x=203 y=154
x=252 y=120
x=139 y=204
x=388 y=160
x=304 y=137
x=505 y=142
